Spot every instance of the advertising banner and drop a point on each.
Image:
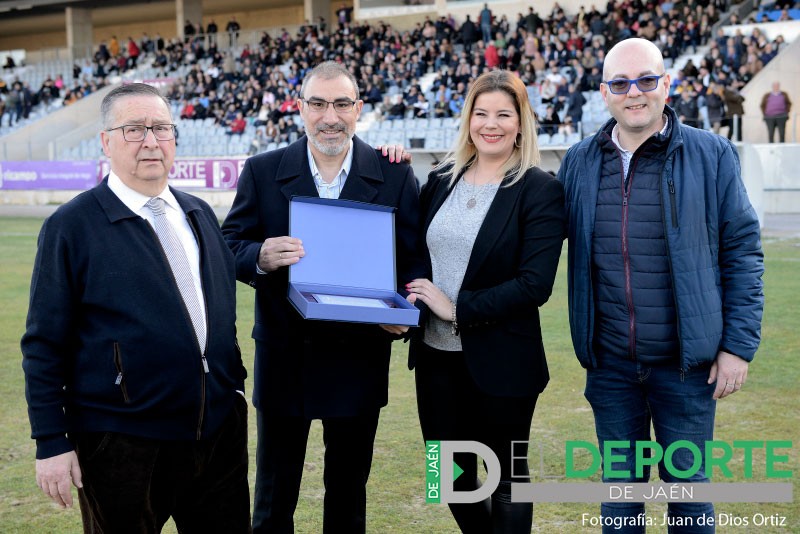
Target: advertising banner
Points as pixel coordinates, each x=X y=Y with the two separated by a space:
x=199 y=173
x=48 y=174
x=188 y=173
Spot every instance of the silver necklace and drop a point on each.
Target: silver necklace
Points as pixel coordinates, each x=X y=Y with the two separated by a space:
x=473 y=201
x=476 y=192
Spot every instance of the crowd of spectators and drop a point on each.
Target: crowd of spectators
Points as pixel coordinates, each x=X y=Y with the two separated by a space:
x=777 y=11
x=558 y=56
x=18 y=100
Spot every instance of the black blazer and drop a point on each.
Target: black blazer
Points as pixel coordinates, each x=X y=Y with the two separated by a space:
x=316 y=368
x=509 y=275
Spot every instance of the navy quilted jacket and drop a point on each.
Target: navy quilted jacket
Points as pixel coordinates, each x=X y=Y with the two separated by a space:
x=713 y=245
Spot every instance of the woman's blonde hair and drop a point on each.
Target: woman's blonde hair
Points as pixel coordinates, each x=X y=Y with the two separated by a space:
x=526 y=148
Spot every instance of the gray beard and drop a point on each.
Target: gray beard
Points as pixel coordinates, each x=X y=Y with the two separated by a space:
x=327 y=149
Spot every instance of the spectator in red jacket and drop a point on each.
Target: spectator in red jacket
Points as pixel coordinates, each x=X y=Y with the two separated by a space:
x=289 y=105
x=491 y=56
x=237 y=125
x=133 y=53
x=188 y=110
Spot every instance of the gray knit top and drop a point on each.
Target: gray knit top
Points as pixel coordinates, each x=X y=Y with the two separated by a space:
x=450 y=238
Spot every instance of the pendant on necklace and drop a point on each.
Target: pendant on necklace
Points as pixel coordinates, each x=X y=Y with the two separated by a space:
x=471 y=203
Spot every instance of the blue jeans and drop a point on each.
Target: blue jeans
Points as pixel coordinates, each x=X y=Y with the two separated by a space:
x=626 y=397
x=486 y=33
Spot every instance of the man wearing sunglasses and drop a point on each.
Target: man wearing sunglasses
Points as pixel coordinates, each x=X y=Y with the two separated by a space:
x=665 y=265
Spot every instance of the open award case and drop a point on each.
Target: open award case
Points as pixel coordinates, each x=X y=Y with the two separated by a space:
x=348 y=273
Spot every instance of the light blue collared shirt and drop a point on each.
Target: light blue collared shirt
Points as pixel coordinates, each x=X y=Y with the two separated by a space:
x=334 y=188
x=325 y=189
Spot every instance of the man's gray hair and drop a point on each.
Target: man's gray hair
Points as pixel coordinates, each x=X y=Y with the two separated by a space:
x=328 y=71
x=124 y=91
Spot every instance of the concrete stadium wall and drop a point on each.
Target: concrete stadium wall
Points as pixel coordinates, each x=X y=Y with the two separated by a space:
x=776 y=168
x=49 y=31
x=46 y=31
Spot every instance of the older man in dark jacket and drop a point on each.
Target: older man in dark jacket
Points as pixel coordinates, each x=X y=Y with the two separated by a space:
x=131 y=362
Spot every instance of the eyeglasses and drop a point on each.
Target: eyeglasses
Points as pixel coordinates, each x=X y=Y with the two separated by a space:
x=136 y=133
x=645 y=84
x=318 y=105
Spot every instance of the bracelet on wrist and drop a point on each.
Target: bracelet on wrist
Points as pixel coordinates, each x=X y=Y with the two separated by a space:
x=453 y=321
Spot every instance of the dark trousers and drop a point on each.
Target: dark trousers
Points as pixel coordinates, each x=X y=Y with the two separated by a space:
x=280 y=456
x=779 y=124
x=133 y=484
x=730 y=122
x=452 y=407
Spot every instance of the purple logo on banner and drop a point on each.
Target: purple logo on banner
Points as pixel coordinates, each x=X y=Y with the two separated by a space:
x=48 y=174
x=199 y=173
x=214 y=173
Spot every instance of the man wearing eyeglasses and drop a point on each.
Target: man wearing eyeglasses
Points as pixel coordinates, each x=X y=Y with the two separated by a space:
x=305 y=370
x=134 y=379
x=665 y=266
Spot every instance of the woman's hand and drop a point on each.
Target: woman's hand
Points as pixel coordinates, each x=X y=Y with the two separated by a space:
x=424 y=290
x=395 y=153
x=394 y=329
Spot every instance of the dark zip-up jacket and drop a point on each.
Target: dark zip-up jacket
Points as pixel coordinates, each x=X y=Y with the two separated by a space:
x=635 y=305
x=713 y=245
x=109 y=344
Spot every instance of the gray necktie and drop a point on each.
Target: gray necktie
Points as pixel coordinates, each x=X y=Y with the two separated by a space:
x=180 y=268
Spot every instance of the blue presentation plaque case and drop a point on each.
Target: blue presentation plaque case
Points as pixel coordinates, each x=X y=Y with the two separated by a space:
x=350 y=253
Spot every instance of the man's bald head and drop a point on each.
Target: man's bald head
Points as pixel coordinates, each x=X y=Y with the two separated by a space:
x=643 y=48
x=639 y=113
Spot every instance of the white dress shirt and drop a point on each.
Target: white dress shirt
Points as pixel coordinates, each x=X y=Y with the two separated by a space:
x=136 y=202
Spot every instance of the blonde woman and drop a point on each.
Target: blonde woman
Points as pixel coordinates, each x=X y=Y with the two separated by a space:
x=493 y=224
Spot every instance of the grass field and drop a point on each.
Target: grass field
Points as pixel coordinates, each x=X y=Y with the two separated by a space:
x=766 y=409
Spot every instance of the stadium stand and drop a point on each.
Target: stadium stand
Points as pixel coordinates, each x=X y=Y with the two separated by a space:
x=411 y=80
